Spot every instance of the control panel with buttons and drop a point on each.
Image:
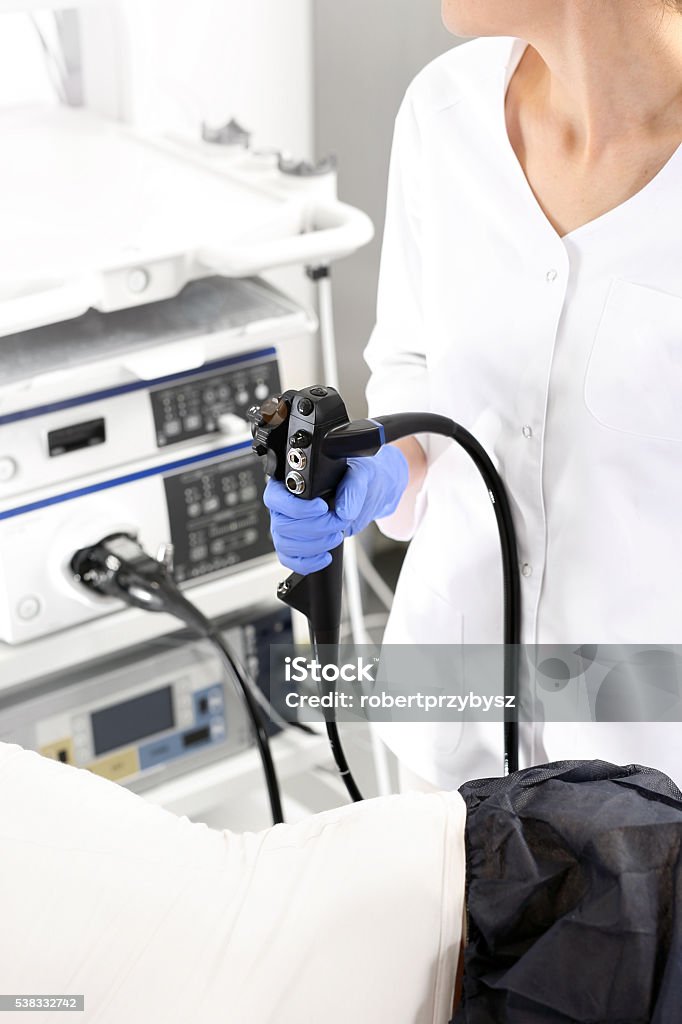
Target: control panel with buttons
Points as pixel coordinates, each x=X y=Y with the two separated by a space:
x=153 y=712
x=144 y=728
x=200 y=404
x=217 y=517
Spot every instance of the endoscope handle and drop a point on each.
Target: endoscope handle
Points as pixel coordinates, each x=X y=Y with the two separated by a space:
x=290 y=432
x=318 y=596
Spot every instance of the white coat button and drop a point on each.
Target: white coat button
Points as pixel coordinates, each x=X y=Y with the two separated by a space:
x=8 y=468
x=28 y=608
x=527 y=432
x=552 y=275
x=526 y=570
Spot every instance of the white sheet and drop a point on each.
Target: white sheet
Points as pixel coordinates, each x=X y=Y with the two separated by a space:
x=350 y=917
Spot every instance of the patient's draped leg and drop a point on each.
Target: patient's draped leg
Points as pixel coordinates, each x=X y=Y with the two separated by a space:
x=349 y=916
x=574 y=897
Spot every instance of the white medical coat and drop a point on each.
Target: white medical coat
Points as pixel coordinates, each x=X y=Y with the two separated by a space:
x=563 y=356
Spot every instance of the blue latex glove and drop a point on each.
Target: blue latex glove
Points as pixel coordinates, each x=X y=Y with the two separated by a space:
x=304 y=532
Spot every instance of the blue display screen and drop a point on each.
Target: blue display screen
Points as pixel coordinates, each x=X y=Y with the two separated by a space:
x=134 y=719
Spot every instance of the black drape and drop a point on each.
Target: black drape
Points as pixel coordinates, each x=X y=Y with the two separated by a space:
x=574 y=886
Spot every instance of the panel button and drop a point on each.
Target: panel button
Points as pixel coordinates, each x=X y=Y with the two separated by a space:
x=526 y=570
x=138 y=280
x=552 y=275
x=8 y=468
x=29 y=607
x=117 y=766
x=160 y=751
x=60 y=750
x=527 y=432
x=232 y=425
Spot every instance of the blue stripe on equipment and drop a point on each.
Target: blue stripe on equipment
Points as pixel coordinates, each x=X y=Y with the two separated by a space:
x=382 y=432
x=129 y=478
x=138 y=385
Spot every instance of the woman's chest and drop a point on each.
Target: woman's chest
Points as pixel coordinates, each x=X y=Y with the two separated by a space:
x=515 y=320
x=514 y=314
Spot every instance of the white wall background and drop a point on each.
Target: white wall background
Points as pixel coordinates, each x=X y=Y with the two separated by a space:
x=366 y=53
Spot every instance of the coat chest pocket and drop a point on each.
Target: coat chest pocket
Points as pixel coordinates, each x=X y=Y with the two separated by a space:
x=634 y=377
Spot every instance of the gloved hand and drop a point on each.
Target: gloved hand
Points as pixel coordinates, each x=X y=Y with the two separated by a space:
x=305 y=532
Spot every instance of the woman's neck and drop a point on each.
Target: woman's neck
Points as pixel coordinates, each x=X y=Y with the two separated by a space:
x=614 y=74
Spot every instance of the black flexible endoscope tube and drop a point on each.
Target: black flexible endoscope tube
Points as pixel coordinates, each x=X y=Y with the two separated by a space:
x=399 y=426
x=262 y=738
x=331 y=726
x=341 y=763
x=196 y=620
x=119 y=567
x=362 y=438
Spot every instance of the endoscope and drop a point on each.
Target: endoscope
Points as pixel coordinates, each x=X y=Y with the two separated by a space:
x=305 y=439
x=118 y=566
